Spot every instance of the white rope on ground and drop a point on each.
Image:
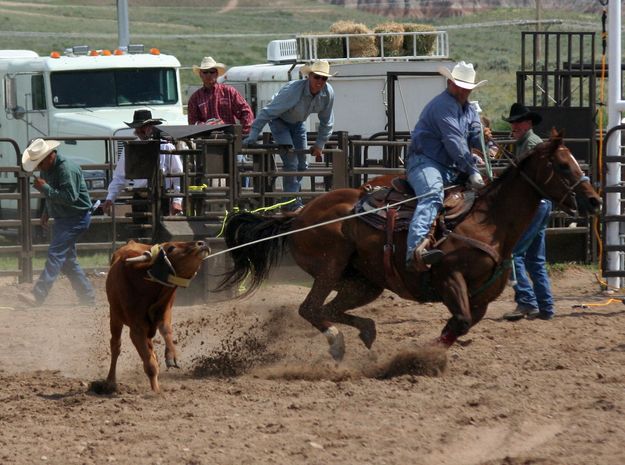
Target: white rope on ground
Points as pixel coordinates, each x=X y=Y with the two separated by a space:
x=318 y=225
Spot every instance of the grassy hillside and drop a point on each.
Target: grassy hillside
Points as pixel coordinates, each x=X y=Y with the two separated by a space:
x=237 y=32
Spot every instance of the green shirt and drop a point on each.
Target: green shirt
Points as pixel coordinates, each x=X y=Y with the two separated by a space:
x=66 y=190
x=525 y=144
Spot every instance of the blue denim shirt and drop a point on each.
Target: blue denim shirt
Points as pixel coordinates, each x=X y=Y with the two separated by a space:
x=445 y=131
x=294 y=103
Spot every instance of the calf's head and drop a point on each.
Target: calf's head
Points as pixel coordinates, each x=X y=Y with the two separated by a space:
x=174 y=263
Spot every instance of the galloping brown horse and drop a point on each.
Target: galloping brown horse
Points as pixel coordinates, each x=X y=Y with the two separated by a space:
x=347 y=256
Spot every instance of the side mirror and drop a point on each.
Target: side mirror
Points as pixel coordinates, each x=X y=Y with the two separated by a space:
x=10 y=98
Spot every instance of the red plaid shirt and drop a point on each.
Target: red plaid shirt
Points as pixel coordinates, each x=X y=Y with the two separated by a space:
x=221 y=101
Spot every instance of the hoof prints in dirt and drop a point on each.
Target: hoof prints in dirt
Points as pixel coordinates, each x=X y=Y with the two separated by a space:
x=429 y=361
x=102 y=388
x=425 y=361
x=235 y=355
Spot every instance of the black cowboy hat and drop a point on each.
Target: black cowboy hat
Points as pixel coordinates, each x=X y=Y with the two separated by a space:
x=143 y=118
x=520 y=112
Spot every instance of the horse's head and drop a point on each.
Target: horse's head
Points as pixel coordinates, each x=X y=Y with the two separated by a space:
x=558 y=177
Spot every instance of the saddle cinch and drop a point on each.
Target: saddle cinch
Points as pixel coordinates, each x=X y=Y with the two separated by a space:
x=392 y=207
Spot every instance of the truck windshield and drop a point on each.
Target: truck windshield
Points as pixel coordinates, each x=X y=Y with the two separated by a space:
x=114 y=87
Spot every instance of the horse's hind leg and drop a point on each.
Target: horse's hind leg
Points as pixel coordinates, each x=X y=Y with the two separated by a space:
x=310 y=311
x=456 y=298
x=353 y=292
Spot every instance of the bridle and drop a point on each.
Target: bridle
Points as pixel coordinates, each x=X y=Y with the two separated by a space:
x=569 y=188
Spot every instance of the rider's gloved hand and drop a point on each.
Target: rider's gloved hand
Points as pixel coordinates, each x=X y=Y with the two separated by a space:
x=475 y=181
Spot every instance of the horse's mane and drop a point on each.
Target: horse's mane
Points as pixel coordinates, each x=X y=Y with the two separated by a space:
x=491 y=191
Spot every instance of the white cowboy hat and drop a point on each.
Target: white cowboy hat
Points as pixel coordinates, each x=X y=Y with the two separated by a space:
x=209 y=63
x=320 y=67
x=36 y=152
x=463 y=75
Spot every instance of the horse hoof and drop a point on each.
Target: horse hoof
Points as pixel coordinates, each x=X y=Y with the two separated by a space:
x=368 y=333
x=171 y=363
x=337 y=346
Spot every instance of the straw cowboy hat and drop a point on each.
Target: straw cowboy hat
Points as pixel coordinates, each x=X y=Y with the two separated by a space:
x=520 y=112
x=36 y=152
x=209 y=63
x=463 y=75
x=143 y=118
x=320 y=67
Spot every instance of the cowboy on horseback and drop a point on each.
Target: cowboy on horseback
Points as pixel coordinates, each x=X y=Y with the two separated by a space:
x=439 y=156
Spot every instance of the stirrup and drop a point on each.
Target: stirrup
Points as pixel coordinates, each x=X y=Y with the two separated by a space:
x=432 y=256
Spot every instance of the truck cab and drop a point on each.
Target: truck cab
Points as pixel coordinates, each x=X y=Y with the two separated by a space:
x=81 y=97
x=83 y=93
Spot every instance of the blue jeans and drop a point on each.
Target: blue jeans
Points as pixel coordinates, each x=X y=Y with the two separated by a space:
x=529 y=259
x=294 y=135
x=62 y=257
x=425 y=175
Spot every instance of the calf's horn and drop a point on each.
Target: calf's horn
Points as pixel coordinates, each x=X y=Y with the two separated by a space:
x=146 y=256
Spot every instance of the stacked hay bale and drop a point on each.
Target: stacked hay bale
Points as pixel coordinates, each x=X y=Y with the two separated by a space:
x=364 y=46
x=392 y=45
x=425 y=43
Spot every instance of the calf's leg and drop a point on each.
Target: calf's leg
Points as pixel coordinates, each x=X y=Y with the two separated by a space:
x=165 y=328
x=116 y=346
x=144 y=347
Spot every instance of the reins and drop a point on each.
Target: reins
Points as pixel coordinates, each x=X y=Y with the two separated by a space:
x=510 y=157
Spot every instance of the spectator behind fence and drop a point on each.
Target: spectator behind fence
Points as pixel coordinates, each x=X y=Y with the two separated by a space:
x=143 y=124
x=216 y=103
x=286 y=114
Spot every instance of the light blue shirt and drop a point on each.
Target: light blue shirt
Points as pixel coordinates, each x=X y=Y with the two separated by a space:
x=445 y=132
x=294 y=103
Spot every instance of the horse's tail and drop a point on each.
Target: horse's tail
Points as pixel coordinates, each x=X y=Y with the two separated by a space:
x=255 y=260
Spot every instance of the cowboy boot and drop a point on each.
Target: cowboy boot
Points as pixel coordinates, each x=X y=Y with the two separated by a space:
x=423 y=258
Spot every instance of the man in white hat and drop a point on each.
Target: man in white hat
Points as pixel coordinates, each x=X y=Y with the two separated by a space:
x=286 y=114
x=440 y=155
x=216 y=102
x=67 y=201
x=143 y=123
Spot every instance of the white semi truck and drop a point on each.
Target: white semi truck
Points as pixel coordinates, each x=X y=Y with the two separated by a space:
x=82 y=93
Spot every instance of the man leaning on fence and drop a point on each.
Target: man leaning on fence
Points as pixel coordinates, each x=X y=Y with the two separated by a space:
x=286 y=114
x=67 y=201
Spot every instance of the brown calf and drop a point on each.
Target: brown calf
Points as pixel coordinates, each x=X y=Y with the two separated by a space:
x=141 y=287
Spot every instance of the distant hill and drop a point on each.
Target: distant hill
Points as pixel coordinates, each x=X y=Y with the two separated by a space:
x=447 y=8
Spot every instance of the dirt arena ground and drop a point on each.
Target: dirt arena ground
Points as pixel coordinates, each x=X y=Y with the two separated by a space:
x=256 y=386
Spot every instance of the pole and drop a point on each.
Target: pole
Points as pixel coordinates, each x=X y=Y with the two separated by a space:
x=615 y=106
x=123 y=31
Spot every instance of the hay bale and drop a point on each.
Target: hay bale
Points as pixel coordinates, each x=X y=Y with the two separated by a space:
x=358 y=46
x=330 y=47
x=425 y=43
x=392 y=45
x=326 y=47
